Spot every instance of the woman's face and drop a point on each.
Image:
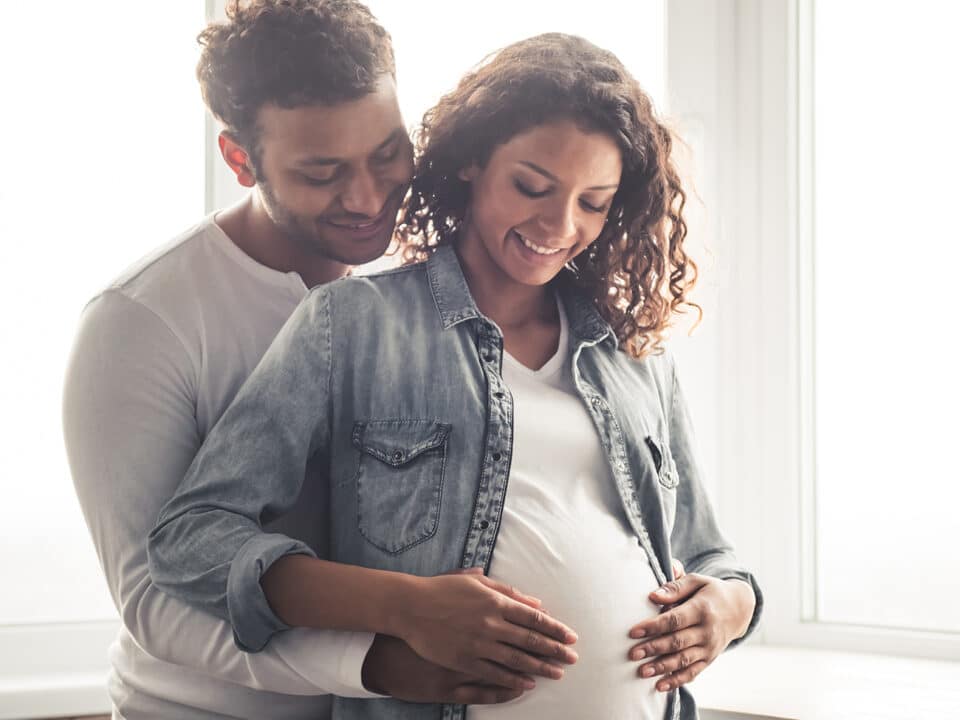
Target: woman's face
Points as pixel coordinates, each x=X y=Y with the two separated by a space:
x=540 y=200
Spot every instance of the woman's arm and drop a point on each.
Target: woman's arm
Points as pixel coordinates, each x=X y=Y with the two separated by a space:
x=718 y=602
x=209 y=549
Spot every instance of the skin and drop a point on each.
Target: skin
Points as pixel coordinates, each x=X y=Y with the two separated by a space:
x=327 y=186
x=553 y=185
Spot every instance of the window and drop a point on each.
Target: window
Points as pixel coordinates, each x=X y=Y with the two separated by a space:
x=886 y=386
x=103 y=161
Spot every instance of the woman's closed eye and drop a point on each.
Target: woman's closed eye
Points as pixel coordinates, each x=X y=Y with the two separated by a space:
x=529 y=191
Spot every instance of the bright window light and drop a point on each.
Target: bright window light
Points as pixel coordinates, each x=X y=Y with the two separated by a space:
x=886 y=367
x=103 y=160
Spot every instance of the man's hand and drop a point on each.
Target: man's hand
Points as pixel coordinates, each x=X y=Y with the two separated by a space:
x=705 y=614
x=471 y=624
x=393 y=668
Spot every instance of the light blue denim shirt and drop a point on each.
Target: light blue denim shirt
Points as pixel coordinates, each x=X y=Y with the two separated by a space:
x=391 y=387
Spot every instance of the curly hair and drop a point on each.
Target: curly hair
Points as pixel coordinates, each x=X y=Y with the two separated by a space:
x=289 y=53
x=636 y=271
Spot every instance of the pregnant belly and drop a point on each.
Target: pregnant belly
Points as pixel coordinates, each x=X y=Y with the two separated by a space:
x=590 y=573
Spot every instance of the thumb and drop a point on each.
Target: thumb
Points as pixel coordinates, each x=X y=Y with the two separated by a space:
x=512 y=592
x=465 y=571
x=677 y=590
x=678 y=571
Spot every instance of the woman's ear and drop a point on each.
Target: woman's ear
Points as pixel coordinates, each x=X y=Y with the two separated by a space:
x=469 y=173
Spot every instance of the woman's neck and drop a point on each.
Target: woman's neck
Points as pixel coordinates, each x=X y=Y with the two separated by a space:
x=511 y=305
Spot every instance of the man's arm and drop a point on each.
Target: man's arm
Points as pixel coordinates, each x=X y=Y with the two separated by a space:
x=130 y=432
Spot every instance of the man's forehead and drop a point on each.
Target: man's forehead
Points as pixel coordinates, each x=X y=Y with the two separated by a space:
x=344 y=129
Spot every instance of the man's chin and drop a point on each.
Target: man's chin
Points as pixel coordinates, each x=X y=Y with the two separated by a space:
x=356 y=253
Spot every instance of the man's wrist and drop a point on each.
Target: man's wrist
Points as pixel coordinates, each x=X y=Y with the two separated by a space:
x=371 y=673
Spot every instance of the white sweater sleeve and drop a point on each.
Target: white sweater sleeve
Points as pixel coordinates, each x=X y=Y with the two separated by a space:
x=131 y=432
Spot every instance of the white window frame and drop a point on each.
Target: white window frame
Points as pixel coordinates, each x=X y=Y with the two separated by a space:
x=756 y=180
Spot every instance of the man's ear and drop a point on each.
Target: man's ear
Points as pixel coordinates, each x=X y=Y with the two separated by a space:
x=238 y=160
x=469 y=173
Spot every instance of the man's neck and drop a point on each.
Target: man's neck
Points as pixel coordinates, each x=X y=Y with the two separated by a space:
x=250 y=228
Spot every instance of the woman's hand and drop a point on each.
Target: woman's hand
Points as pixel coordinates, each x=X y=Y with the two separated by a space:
x=705 y=614
x=474 y=625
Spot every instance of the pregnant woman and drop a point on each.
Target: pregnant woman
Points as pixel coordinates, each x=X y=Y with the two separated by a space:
x=500 y=402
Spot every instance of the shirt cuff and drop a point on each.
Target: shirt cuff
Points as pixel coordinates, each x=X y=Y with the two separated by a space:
x=757 y=605
x=351 y=666
x=253 y=621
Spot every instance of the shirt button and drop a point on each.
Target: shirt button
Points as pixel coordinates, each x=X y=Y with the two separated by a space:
x=496 y=457
x=488 y=358
x=597 y=402
x=397 y=456
x=498 y=395
x=484 y=524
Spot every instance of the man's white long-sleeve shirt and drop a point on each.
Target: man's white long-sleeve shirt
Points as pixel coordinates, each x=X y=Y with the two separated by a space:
x=158 y=357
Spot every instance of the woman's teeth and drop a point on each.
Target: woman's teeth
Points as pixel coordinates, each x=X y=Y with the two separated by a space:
x=539 y=249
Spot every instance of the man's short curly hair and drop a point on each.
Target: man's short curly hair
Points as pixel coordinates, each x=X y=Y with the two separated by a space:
x=289 y=53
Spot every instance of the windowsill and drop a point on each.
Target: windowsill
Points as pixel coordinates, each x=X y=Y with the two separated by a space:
x=758 y=682
x=764 y=681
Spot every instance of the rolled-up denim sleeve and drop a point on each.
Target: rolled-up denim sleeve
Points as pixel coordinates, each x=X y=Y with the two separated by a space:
x=696 y=538
x=208 y=547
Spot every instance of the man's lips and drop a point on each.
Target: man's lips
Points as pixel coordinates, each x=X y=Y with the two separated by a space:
x=390 y=207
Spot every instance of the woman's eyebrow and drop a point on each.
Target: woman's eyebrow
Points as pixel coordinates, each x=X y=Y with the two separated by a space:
x=550 y=176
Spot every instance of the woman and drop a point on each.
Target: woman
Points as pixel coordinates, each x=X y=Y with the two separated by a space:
x=501 y=405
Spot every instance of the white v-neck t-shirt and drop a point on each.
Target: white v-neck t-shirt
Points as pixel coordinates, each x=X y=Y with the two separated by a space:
x=565 y=539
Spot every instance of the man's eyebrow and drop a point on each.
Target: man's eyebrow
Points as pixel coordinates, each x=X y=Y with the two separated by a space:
x=550 y=176
x=313 y=161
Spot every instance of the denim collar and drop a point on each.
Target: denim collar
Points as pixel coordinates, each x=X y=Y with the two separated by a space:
x=455 y=304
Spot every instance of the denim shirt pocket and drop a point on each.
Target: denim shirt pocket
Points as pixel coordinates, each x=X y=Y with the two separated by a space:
x=399 y=480
x=667 y=476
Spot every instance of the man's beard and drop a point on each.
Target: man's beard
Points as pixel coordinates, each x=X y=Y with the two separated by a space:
x=292 y=226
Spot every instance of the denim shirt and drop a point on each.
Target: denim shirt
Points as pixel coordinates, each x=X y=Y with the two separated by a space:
x=387 y=392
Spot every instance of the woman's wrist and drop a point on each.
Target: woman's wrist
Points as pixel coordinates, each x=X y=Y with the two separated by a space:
x=744 y=602
x=400 y=596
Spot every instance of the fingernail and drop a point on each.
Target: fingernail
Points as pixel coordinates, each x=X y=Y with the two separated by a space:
x=638 y=633
x=571 y=637
x=647 y=671
x=529 y=684
x=663 y=687
x=638 y=654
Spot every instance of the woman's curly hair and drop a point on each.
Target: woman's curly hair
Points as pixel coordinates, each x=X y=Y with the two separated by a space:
x=289 y=53
x=636 y=271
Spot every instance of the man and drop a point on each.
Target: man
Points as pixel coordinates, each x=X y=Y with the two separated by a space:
x=306 y=94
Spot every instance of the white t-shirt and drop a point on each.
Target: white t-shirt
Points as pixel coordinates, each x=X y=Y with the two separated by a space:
x=158 y=357
x=564 y=538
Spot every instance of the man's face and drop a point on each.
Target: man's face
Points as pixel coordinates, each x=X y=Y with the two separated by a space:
x=332 y=177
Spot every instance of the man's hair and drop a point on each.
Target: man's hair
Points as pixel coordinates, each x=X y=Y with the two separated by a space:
x=290 y=53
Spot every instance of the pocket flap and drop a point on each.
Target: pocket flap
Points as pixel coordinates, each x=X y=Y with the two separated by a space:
x=666 y=468
x=397 y=442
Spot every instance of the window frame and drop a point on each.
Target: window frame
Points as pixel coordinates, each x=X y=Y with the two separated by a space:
x=761 y=187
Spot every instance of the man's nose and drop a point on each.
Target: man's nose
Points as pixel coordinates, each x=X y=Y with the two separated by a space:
x=361 y=196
